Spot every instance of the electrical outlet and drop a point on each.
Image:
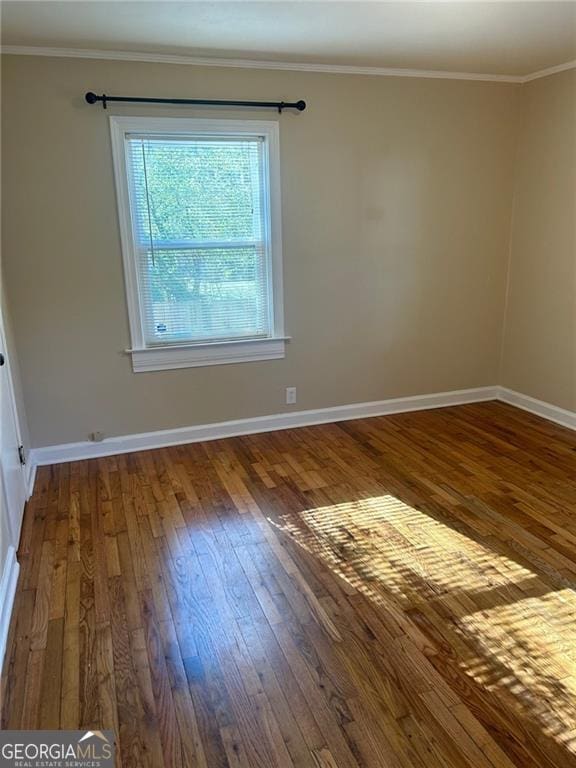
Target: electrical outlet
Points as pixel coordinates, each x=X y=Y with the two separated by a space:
x=96 y=437
x=290 y=395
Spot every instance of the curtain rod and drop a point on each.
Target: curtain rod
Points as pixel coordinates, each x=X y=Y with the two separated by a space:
x=93 y=98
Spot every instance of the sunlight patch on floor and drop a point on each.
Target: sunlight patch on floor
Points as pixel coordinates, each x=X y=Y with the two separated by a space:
x=513 y=632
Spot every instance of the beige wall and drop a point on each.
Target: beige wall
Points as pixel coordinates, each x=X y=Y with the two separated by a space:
x=396 y=213
x=539 y=350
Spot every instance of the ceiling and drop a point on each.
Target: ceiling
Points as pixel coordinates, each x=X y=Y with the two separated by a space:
x=501 y=38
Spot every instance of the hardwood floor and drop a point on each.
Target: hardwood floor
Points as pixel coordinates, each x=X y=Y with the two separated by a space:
x=395 y=591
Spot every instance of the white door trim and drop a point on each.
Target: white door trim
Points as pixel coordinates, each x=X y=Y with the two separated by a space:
x=24 y=473
x=8 y=581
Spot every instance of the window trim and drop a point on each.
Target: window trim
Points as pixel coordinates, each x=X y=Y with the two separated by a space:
x=200 y=353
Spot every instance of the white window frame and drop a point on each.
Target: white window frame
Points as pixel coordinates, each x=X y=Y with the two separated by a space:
x=193 y=354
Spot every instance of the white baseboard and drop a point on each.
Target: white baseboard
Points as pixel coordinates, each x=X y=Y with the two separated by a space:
x=539 y=407
x=56 y=454
x=7 y=591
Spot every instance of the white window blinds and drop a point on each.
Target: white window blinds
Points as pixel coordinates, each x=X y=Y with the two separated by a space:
x=200 y=221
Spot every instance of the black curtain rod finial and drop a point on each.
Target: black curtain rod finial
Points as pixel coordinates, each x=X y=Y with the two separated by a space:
x=299 y=105
x=93 y=98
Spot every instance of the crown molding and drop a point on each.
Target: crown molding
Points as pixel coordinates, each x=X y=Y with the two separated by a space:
x=291 y=66
x=549 y=71
x=335 y=69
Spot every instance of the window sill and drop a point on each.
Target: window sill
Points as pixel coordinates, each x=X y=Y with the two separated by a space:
x=213 y=353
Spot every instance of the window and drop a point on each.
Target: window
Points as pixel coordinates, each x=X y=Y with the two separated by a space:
x=199 y=205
